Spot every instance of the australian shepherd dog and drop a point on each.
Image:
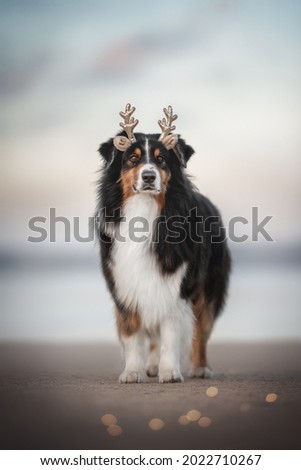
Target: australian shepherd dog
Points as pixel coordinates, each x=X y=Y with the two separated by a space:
x=163 y=250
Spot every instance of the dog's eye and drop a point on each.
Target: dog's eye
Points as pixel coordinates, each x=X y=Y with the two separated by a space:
x=160 y=159
x=133 y=158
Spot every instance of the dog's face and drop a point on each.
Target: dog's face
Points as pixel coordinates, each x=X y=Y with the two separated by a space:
x=146 y=166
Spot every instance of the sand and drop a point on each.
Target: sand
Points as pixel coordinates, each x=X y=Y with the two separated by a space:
x=53 y=396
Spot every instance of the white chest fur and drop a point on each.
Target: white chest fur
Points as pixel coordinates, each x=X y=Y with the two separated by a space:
x=139 y=282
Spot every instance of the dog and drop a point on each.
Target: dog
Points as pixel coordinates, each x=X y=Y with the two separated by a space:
x=164 y=252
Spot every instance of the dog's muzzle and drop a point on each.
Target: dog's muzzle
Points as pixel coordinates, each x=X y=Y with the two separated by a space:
x=148 y=180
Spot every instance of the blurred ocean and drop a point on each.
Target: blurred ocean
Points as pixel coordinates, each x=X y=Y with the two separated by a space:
x=72 y=304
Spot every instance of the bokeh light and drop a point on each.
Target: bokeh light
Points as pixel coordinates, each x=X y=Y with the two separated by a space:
x=193 y=415
x=108 y=419
x=156 y=424
x=184 y=420
x=204 y=422
x=212 y=392
x=114 y=430
x=271 y=397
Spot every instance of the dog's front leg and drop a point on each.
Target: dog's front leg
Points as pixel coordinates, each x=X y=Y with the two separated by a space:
x=169 y=366
x=134 y=355
x=133 y=339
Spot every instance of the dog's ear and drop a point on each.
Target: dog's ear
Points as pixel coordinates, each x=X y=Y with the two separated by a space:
x=108 y=151
x=183 y=151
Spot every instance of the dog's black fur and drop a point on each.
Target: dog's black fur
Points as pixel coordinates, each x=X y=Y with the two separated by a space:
x=208 y=261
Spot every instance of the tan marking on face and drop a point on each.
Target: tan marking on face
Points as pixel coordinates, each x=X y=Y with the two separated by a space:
x=137 y=152
x=157 y=153
x=128 y=179
x=127 y=325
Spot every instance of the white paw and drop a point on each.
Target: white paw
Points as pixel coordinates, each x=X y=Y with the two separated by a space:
x=201 y=373
x=131 y=376
x=152 y=371
x=170 y=376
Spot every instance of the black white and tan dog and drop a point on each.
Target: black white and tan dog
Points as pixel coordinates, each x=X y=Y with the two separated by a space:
x=163 y=251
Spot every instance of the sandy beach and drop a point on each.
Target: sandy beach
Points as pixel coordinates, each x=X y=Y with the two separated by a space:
x=54 y=397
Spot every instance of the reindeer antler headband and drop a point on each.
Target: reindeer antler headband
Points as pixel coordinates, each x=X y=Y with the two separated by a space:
x=169 y=140
x=122 y=143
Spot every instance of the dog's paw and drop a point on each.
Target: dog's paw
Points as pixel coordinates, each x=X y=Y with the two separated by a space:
x=131 y=376
x=170 y=376
x=152 y=371
x=201 y=373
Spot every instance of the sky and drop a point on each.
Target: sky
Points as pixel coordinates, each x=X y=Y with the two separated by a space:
x=231 y=70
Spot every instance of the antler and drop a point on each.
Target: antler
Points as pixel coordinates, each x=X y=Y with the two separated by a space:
x=166 y=123
x=129 y=121
x=121 y=142
x=168 y=140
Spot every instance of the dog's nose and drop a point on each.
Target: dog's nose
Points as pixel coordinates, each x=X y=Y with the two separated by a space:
x=148 y=176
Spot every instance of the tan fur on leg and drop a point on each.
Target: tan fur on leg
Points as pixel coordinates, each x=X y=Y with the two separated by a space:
x=127 y=325
x=153 y=359
x=203 y=325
